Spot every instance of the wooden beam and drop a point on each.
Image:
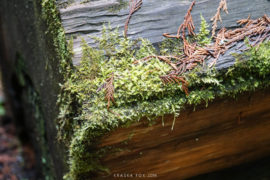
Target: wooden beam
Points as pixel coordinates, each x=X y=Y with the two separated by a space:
x=227 y=133
x=156 y=17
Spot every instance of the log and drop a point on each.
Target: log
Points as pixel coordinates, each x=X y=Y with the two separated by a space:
x=200 y=142
x=153 y=19
x=29 y=67
x=227 y=133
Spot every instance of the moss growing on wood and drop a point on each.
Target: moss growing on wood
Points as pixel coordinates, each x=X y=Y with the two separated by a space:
x=59 y=55
x=56 y=34
x=139 y=92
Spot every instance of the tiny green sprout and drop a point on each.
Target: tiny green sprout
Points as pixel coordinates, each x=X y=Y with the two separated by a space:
x=203 y=36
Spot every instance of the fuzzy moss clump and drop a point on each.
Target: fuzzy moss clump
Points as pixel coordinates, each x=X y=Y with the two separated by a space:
x=139 y=92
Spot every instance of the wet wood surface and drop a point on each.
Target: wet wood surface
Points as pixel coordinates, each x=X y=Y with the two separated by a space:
x=82 y=19
x=227 y=133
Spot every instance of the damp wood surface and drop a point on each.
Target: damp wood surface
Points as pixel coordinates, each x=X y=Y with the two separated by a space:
x=83 y=19
x=227 y=133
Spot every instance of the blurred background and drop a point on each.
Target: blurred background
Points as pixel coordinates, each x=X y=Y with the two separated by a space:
x=17 y=157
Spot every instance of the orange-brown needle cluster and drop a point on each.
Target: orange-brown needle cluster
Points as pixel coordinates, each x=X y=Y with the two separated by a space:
x=134 y=5
x=194 y=54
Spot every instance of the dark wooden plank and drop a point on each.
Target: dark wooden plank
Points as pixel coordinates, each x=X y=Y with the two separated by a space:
x=152 y=20
x=227 y=133
x=30 y=80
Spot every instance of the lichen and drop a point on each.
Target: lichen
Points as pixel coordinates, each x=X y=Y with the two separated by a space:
x=139 y=92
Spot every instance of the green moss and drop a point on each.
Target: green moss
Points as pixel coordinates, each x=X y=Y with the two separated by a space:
x=59 y=58
x=203 y=36
x=171 y=46
x=139 y=92
x=70 y=46
x=56 y=34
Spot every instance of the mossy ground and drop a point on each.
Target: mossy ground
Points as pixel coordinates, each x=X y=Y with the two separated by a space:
x=138 y=90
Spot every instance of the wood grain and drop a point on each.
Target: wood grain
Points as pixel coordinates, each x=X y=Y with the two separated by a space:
x=151 y=21
x=227 y=133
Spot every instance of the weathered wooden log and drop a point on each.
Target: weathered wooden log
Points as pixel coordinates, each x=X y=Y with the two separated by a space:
x=35 y=59
x=227 y=133
x=83 y=20
x=30 y=70
x=153 y=151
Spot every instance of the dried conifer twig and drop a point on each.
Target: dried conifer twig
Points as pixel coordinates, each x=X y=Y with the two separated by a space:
x=217 y=17
x=134 y=5
x=189 y=49
x=191 y=66
x=109 y=88
x=167 y=35
x=173 y=78
x=101 y=87
x=187 y=24
x=244 y=21
x=258 y=29
x=185 y=88
x=162 y=58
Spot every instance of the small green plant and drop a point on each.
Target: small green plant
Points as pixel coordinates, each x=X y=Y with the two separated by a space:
x=203 y=36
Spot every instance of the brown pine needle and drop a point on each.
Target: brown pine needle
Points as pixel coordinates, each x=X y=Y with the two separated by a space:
x=217 y=16
x=173 y=78
x=256 y=30
x=109 y=88
x=189 y=49
x=244 y=21
x=166 y=59
x=167 y=35
x=186 y=25
x=134 y=5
